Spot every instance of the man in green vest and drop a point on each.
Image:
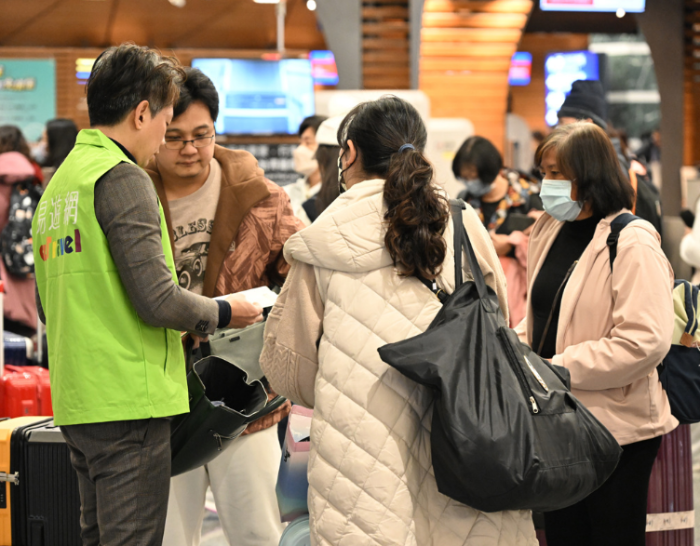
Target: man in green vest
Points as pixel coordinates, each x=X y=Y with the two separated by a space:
x=113 y=310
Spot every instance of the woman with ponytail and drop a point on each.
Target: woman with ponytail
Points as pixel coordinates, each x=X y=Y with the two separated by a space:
x=357 y=282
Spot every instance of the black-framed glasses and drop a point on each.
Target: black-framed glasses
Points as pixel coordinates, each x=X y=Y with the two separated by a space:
x=179 y=144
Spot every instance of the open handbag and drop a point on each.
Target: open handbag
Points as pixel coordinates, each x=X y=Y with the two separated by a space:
x=224 y=400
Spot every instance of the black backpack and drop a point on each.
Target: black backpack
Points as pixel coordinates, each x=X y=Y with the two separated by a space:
x=16 y=238
x=506 y=433
x=680 y=370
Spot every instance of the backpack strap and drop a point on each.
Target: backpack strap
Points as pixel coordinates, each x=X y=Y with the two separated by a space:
x=690 y=298
x=616 y=227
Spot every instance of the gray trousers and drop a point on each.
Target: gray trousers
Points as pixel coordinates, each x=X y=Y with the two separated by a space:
x=124 y=480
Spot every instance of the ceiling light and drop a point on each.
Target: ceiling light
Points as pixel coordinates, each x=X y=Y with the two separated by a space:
x=178 y=3
x=311 y=4
x=621 y=13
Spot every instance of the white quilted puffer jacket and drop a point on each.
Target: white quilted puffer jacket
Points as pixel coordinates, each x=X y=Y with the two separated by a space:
x=371 y=481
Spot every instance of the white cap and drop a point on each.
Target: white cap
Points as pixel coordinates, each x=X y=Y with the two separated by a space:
x=327 y=134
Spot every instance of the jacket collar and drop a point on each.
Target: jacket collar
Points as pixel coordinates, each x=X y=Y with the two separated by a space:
x=547 y=232
x=241 y=189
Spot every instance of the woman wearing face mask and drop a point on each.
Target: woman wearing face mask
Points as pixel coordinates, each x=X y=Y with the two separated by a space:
x=326 y=155
x=306 y=165
x=610 y=327
x=497 y=194
x=353 y=287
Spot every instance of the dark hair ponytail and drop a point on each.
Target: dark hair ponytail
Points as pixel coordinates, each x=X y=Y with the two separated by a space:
x=390 y=137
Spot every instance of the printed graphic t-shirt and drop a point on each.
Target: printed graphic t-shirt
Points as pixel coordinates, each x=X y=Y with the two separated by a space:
x=192 y=220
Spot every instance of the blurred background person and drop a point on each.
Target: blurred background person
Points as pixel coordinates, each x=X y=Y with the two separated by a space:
x=327 y=158
x=12 y=140
x=19 y=303
x=508 y=204
x=306 y=165
x=56 y=143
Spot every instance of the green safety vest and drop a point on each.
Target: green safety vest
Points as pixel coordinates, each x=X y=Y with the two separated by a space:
x=106 y=363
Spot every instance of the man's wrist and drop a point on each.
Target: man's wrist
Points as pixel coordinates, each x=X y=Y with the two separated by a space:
x=224 y=313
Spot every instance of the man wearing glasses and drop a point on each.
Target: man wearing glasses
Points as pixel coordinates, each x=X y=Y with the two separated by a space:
x=227 y=225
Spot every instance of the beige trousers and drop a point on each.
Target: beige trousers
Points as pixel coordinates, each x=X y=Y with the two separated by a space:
x=243 y=480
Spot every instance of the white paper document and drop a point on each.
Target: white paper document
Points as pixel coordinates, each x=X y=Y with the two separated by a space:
x=262 y=296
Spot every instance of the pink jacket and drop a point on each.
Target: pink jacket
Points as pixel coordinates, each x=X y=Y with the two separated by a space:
x=614 y=328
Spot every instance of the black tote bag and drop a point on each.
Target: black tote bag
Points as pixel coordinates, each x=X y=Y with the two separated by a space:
x=506 y=432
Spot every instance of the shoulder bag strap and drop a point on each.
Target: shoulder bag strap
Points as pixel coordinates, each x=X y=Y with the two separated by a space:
x=463 y=243
x=557 y=298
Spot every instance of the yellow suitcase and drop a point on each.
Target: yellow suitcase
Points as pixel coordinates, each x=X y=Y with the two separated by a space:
x=8 y=476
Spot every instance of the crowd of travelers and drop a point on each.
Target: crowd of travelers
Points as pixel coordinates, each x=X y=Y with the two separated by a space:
x=364 y=251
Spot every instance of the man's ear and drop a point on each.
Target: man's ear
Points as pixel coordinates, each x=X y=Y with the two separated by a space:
x=141 y=114
x=351 y=153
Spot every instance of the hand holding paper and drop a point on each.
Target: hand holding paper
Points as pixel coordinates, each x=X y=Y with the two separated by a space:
x=243 y=312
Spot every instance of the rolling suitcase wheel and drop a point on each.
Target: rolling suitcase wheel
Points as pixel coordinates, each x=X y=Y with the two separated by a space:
x=297 y=533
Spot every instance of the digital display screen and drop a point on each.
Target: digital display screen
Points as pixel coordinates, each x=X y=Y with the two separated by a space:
x=561 y=70
x=631 y=6
x=258 y=97
x=520 y=69
x=323 y=68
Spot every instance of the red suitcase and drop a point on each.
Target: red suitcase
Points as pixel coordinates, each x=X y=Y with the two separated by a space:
x=18 y=394
x=43 y=392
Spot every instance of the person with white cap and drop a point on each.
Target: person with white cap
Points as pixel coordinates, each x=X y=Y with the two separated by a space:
x=306 y=165
x=327 y=155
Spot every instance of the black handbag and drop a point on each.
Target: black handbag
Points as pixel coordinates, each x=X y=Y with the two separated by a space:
x=223 y=402
x=506 y=432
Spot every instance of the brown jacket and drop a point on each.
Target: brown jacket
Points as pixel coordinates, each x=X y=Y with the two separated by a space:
x=253 y=221
x=614 y=327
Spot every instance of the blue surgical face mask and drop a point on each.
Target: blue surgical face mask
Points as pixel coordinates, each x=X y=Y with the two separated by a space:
x=475 y=187
x=556 y=198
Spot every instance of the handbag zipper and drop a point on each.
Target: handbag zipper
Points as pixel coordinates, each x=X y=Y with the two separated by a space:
x=520 y=374
x=536 y=374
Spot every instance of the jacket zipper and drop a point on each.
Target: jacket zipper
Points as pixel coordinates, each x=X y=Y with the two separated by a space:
x=520 y=374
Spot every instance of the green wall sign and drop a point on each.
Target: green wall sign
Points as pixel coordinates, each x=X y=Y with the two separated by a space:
x=27 y=94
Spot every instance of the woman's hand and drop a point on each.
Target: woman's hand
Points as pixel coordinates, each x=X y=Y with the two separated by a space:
x=243 y=313
x=500 y=242
x=534 y=213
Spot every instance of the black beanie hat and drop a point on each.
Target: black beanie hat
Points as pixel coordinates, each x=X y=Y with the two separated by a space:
x=586 y=100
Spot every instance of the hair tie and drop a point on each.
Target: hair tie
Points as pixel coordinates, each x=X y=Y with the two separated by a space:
x=407 y=147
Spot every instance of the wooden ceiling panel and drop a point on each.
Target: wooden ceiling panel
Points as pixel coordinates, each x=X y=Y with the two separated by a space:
x=465 y=57
x=157 y=23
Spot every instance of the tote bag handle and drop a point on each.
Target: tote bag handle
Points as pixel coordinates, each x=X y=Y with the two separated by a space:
x=462 y=242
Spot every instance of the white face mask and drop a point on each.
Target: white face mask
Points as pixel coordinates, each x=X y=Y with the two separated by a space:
x=304 y=162
x=39 y=152
x=556 y=198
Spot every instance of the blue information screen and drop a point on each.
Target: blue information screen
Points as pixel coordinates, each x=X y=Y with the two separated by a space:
x=27 y=94
x=561 y=71
x=520 y=69
x=258 y=97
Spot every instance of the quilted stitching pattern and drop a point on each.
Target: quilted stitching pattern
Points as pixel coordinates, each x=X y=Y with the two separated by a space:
x=370 y=473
